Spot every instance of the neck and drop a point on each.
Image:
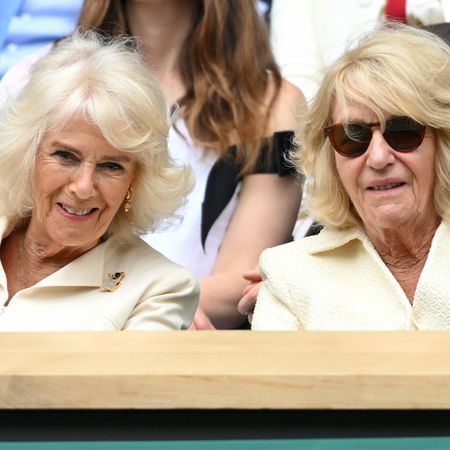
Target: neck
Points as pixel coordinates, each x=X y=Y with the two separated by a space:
x=41 y=252
x=405 y=250
x=28 y=257
x=162 y=28
x=405 y=245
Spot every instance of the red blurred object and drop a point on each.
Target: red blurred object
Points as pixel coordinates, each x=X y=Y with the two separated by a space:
x=396 y=10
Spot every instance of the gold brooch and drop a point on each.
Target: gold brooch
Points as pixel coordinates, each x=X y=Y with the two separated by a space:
x=113 y=281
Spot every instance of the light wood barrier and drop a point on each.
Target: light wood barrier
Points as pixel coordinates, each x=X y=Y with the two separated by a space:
x=229 y=369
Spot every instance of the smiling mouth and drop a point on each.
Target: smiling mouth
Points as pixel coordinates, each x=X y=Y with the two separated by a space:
x=76 y=212
x=385 y=187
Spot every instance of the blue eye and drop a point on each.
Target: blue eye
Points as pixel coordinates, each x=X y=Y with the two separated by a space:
x=113 y=166
x=65 y=155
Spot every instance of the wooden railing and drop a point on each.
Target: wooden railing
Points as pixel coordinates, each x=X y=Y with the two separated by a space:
x=228 y=369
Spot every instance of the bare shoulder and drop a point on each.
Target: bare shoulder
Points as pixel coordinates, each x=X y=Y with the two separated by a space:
x=287 y=106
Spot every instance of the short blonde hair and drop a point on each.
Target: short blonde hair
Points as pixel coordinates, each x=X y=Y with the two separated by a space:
x=105 y=83
x=398 y=69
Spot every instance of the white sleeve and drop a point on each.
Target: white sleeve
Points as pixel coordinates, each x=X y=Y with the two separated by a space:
x=271 y=310
x=272 y=314
x=446 y=10
x=169 y=306
x=308 y=35
x=294 y=43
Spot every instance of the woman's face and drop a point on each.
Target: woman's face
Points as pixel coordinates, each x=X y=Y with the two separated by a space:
x=387 y=188
x=79 y=183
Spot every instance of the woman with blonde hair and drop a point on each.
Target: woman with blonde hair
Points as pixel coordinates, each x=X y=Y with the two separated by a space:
x=375 y=146
x=84 y=170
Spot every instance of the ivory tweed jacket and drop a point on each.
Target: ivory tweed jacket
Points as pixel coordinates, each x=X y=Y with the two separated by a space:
x=337 y=281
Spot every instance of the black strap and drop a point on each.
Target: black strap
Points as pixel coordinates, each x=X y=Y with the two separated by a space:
x=224 y=175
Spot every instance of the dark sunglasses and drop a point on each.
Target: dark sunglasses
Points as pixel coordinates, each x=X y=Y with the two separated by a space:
x=403 y=134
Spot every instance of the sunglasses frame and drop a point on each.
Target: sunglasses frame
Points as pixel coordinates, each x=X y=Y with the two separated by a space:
x=329 y=133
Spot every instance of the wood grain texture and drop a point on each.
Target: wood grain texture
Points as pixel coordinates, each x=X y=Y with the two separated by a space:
x=228 y=369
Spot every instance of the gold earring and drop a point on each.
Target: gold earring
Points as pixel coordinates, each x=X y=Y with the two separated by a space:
x=127 y=204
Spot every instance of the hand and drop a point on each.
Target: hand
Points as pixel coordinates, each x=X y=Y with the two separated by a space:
x=247 y=303
x=201 y=321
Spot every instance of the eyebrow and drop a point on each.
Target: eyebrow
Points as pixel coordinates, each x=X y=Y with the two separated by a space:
x=58 y=144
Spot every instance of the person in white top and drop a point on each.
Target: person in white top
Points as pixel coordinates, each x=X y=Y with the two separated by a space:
x=233 y=125
x=308 y=35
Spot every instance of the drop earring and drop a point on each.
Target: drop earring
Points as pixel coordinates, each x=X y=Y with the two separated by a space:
x=127 y=204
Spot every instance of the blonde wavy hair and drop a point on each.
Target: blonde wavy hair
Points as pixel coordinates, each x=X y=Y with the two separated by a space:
x=399 y=70
x=104 y=82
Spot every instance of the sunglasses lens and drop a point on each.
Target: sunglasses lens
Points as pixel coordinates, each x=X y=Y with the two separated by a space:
x=352 y=139
x=404 y=134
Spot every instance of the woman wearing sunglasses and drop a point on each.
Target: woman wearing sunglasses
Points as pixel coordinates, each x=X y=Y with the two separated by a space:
x=375 y=146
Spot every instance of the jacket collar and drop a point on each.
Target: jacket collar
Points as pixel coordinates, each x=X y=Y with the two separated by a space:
x=330 y=239
x=86 y=270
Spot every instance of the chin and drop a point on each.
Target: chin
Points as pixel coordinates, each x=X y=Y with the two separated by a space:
x=391 y=221
x=73 y=240
x=390 y=218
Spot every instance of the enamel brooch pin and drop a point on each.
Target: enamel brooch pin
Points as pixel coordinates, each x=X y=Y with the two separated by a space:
x=113 y=281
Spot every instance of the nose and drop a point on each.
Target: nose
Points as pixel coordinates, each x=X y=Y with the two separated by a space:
x=83 y=182
x=379 y=153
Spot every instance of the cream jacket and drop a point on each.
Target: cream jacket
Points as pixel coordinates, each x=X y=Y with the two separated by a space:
x=337 y=281
x=155 y=294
